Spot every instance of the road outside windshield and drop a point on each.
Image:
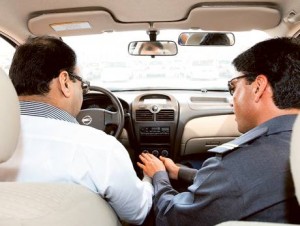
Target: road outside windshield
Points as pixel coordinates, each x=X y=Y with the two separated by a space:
x=104 y=61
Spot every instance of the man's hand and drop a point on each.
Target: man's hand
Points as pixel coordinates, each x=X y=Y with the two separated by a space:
x=150 y=164
x=171 y=167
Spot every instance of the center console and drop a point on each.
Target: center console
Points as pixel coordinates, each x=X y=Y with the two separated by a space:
x=155 y=117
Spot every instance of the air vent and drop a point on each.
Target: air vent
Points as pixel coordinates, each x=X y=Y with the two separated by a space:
x=165 y=115
x=144 y=115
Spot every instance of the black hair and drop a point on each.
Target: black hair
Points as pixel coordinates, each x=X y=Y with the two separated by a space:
x=215 y=39
x=37 y=62
x=279 y=60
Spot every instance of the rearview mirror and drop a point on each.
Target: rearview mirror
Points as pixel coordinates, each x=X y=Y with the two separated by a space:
x=152 y=48
x=206 y=38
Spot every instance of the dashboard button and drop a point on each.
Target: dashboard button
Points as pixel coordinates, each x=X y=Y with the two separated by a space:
x=155 y=153
x=164 y=153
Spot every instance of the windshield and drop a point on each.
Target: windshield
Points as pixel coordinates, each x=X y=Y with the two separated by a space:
x=104 y=61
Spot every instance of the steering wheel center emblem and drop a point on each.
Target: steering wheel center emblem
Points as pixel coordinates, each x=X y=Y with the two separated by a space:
x=86 y=120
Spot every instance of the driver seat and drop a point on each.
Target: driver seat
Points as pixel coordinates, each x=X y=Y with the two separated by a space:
x=36 y=204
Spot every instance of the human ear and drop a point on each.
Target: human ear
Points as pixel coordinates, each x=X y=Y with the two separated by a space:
x=64 y=80
x=259 y=86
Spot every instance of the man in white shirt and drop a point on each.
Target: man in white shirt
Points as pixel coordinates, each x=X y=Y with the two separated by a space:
x=53 y=147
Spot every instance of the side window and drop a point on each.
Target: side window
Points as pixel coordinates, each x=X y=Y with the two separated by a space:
x=6 y=54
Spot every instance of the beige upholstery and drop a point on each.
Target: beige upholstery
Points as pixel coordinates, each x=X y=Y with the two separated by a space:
x=9 y=115
x=52 y=204
x=295 y=157
x=40 y=204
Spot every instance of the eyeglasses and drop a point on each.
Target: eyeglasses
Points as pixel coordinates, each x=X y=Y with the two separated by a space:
x=85 y=85
x=231 y=86
x=251 y=76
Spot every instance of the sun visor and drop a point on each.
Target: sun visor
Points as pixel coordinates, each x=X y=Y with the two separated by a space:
x=79 y=23
x=228 y=18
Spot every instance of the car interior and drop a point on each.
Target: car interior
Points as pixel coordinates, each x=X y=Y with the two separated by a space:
x=171 y=100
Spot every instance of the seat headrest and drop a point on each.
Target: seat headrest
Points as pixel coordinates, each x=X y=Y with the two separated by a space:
x=9 y=117
x=295 y=156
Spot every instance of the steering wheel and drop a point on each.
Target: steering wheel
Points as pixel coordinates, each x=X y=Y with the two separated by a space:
x=100 y=118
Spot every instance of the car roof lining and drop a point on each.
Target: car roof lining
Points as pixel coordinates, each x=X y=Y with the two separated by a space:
x=140 y=15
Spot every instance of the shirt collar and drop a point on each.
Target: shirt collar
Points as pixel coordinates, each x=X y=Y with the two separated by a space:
x=274 y=125
x=40 y=109
x=279 y=124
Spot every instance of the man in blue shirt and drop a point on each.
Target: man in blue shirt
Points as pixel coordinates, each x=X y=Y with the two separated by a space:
x=249 y=178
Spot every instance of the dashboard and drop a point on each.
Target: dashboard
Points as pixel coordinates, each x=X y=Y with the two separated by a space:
x=177 y=124
x=155 y=120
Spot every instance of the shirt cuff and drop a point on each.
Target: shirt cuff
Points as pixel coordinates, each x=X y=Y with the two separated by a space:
x=187 y=174
x=160 y=176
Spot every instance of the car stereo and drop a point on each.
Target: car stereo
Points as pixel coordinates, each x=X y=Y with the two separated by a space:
x=154 y=134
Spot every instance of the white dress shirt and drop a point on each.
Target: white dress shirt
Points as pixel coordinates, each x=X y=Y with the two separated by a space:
x=55 y=148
